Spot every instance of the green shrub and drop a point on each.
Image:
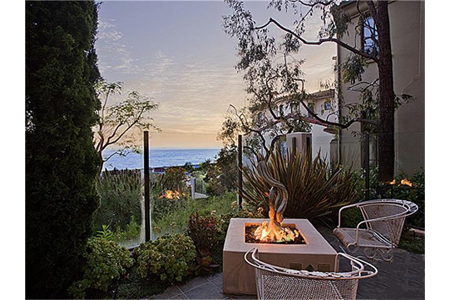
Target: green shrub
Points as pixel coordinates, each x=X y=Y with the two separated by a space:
x=360 y=182
x=415 y=193
x=396 y=190
x=163 y=206
x=105 y=233
x=204 y=233
x=174 y=179
x=169 y=257
x=106 y=262
x=120 y=199
x=131 y=231
x=221 y=176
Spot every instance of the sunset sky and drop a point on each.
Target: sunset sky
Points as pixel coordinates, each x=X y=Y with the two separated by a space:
x=178 y=54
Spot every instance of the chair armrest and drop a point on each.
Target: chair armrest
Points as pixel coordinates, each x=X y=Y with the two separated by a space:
x=362 y=270
x=345 y=207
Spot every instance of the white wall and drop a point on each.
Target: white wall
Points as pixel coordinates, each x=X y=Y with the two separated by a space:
x=320 y=139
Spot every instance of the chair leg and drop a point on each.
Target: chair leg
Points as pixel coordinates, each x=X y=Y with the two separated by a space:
x=387 y=254
x=370 y=252
x=352 y=248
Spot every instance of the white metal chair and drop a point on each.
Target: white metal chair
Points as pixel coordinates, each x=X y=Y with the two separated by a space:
x=381 y=229
x=273 y=282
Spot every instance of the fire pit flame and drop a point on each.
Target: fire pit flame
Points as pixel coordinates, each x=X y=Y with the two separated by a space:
x=273 y=231
x=274 y=234
x=405 y=181
x=169 y=194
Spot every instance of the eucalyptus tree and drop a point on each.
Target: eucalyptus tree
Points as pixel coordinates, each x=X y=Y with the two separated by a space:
x=271 y=69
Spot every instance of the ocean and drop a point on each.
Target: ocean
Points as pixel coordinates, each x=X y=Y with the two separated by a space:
x=159 y=158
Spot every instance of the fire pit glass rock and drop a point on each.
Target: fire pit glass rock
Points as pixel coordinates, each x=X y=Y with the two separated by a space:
x=288 y=234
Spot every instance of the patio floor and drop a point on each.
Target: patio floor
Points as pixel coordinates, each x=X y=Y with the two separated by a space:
x=403 y=278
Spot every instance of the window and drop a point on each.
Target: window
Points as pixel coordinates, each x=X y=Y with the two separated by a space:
x=327 y=105
x=369 y=37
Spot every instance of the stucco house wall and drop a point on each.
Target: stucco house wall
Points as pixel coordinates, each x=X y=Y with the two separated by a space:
x=407 y=39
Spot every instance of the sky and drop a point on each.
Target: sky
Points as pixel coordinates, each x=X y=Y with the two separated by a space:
x=177 y=54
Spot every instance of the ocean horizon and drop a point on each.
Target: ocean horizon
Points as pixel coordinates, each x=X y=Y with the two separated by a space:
x=160 y=157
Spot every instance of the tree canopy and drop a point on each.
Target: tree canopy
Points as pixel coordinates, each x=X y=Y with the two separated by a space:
x=61 y=162
x=272 y=70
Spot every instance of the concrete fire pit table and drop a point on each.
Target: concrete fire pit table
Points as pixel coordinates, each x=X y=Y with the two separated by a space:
x=239 y=277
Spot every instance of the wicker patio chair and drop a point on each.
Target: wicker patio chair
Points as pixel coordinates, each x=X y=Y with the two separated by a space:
x=273 y=282
x=381 y=229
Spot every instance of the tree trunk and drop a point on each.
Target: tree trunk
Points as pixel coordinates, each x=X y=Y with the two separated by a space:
x=386 y=145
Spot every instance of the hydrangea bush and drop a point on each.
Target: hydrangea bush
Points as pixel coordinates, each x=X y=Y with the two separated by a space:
x=169 y=257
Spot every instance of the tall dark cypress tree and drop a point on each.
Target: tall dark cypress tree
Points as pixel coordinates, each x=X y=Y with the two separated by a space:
x=61 y=164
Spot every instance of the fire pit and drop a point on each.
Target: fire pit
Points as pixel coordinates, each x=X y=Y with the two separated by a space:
x=290 y=243
x=315 y=253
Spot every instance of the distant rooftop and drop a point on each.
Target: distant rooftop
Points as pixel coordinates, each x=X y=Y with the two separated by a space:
x=313 y=96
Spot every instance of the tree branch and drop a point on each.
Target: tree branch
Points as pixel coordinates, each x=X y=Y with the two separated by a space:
x=128 y=128
x=368 y=85
x=116 y=129
x=320 y=41
x=269 y=103
x=324 y=3
x=248 y=128
x=251 y=150
x=373 y=10
x=340 y=125
x=118 y=152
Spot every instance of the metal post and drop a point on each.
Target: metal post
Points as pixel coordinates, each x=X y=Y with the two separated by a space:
x=147 y=187
x=294 y=144
x=193 y=188
x=239 y=170
x=367 y=163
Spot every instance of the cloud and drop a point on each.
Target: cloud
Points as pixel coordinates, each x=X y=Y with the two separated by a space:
x=194 y=85
x=114 y=53
x=193 y=94
x=107 y=31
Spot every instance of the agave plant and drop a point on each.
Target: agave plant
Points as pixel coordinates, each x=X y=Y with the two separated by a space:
x=315 y=189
